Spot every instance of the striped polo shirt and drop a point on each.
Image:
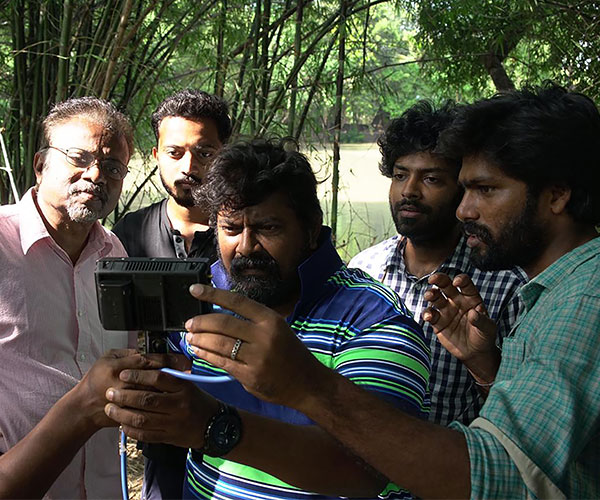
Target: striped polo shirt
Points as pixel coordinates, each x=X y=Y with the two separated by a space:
x=352 y=324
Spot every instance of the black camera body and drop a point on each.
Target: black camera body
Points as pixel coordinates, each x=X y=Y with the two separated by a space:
x=150 y=294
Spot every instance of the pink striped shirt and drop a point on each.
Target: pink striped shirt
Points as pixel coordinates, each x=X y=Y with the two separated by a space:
x=50 y=335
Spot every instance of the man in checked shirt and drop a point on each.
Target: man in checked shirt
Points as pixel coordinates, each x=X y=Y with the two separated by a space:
x=424 y=195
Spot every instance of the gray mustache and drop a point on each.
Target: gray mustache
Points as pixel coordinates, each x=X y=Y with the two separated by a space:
x=93 y=189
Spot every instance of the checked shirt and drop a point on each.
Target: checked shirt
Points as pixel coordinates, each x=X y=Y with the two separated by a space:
x=454 y=395
x=539 y=431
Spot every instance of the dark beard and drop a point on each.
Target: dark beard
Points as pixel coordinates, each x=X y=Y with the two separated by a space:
x=519 y=243
x=268 y=288
x=404 y=225
x=438 y=224
x=187 y=200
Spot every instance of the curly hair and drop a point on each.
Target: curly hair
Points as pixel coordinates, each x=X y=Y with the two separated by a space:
x=417 y=130
x=195 y=105
x=542 y=136
x=246 y=173
x=93 y=109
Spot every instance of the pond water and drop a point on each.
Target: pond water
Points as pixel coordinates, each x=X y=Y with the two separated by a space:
x=363 y=210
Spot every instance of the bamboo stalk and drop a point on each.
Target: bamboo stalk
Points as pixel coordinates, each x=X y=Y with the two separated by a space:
x=220 y=62
x=313 y=88
x=117 y=49
x=294 y=81
x=7 y=168
x=63 y=51
x=337 y=127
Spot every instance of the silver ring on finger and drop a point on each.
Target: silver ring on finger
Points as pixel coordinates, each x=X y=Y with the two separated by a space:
x=235 y=349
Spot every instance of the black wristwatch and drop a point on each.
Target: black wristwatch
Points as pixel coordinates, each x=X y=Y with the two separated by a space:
x=223 y=432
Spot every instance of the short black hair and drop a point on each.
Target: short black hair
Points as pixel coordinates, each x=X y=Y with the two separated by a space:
x=542 y=136
x=195 y=105
x=247 y=172
x=93 y=109
x=417 y=130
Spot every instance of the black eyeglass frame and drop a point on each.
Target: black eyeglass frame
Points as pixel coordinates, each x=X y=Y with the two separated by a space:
x=91 y=159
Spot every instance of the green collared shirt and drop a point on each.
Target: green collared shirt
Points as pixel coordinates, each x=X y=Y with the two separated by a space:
x=545 y=404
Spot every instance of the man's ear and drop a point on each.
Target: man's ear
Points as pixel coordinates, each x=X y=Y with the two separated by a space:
x=155 y=153
x=559 y=198
x=38 y=165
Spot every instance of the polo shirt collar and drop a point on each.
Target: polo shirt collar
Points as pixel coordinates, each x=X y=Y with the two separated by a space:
x=318 y=267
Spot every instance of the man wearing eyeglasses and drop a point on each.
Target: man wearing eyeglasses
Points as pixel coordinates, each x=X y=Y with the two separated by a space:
x=50 y=332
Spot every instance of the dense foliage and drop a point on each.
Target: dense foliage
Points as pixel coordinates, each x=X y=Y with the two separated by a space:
x=318 y=70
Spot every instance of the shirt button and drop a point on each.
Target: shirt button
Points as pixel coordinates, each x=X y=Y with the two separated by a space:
x=82 y=357
x=180 y=255
x=178 y=239
x=80 y=313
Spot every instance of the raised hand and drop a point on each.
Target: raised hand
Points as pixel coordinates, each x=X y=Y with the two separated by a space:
x=462 y=325
x=270 y=362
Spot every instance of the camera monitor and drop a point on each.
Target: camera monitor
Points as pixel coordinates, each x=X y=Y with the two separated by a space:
x=149 y=294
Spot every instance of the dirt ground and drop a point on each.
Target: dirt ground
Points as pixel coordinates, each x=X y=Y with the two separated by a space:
x=135 y=470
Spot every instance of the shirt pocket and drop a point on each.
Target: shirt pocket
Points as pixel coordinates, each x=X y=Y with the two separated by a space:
x=514 y=352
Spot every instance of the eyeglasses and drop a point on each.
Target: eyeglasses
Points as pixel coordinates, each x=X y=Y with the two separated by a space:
x=83 y=159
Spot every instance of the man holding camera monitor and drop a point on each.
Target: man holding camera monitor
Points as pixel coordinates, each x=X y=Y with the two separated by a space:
x=273 y=249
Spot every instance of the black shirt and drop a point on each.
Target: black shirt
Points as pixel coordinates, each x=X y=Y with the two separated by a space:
x=148 y=233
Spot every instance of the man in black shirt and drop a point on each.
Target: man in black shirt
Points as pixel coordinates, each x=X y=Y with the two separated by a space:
x=190 y=127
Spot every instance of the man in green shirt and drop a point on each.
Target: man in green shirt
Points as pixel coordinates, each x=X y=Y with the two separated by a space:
x=531 y=173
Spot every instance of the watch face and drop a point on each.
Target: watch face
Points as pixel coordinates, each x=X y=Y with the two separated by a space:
x=225 y=432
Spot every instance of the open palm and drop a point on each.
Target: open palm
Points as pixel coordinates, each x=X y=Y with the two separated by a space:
x=460 y=320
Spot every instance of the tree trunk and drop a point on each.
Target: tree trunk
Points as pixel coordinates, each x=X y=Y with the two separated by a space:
x=493 y=65
x=294 y=82
x=63 y=51
x=337 y=126
x=220 y=63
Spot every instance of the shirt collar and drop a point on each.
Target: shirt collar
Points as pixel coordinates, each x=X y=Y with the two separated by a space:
x=395 y=253
x=32 y=228
x=318 y=267
x=313 y=272
x=165 y=223
x=554 y=274
x=458 y=261
x=31 y=225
